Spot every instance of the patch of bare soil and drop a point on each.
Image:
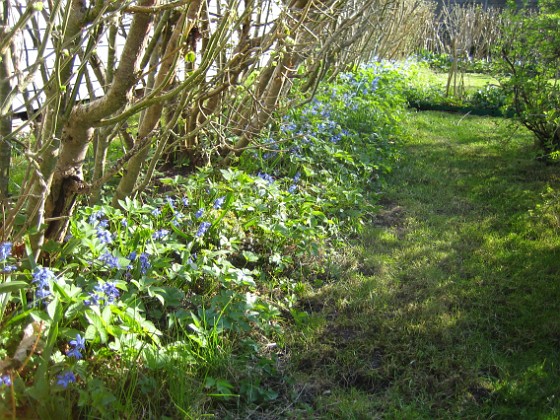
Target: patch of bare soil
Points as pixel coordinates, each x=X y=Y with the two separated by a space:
x=390 y=215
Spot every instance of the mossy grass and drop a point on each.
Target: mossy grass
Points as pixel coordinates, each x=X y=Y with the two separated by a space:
x=452 y=311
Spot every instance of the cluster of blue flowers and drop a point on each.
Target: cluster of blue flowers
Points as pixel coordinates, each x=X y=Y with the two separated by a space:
x=145 y=264
x=293 y=188
x=219 y=202
x=160 y=234
x=65 y=379
x=178 y=216
x=204 y=226
x=110 y=260
x=359 y=85
x=105 y=293
x=315 y=122
x=76 y=345
x=268 y=178
x=42 y=277
x=143 y=259
x=5 y=253
x=104 y=236
x=95 y=217
x=101 y=224
x=5 y=250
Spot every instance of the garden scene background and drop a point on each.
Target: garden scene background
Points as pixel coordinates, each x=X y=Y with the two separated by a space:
x=280 y=209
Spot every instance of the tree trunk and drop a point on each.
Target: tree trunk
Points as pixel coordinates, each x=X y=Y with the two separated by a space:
x=152 y=115
x=67 y=179
x=5 y=110
x=5 y=127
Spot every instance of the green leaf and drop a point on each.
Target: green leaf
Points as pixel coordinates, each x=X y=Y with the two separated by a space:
x=190 y=57
x=99 y=325
x=107 y=314
x=73 y=310
x=12 y=286
x=250 y=256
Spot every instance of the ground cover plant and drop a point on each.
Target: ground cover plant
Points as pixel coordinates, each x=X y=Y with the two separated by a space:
x=174 y=303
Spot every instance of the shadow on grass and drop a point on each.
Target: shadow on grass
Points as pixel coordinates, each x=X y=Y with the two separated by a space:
x=455 y=310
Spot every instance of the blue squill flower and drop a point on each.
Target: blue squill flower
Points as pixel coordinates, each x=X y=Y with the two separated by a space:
x=204 y=226
x=219 y=202
x=5 y=250
x=160 y=234
x=66 y=379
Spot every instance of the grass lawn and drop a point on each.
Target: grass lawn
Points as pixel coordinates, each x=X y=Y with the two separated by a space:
x=451 y=309
x=472 y=81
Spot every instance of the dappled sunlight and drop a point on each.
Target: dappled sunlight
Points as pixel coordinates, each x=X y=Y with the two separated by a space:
x=459 y=295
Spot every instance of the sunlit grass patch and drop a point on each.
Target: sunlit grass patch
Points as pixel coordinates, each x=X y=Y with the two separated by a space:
x=455 y=314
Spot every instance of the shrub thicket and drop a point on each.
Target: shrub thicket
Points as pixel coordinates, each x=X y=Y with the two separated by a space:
x=530 y=59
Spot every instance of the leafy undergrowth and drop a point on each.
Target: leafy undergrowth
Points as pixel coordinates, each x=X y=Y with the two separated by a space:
x=175 y=303
x=452 y=310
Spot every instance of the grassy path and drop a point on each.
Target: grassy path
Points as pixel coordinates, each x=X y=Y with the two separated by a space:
x=453 y=307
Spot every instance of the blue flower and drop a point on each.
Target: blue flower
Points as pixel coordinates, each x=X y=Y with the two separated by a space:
x=106 y=292
x=78 y=342
x=66 y=379
x=374 y=84
x=5 y=380
x=8 y=269
x=199 y=213
x=170 y=202
x=42 y=293
x=288 y=127
x=132 y=256
x=292 y=188
x=219 y=202
x=95 y=216
x=103 y=223
x=93 y=299
x=74 y=352
x=5 y=250
x=144 y=262
x=156 y=212
x=185 y=201
x=192 y=261
x=111 y=292
x=160 y=234
x=204 y=226
x=268 y=178
x=104 y=236
x=110 y=260
x=124 y=223
x=41 y=277
x=177 y=217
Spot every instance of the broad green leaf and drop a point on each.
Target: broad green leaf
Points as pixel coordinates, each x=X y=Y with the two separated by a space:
x=12 y=286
